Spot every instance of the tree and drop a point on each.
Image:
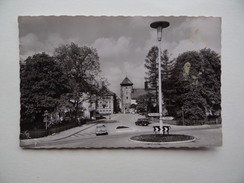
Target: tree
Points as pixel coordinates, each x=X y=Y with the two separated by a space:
x=145 y=103
x=151 y=67
x=196 y=78
x=194 y=106
x=211 y=75
x=42 y=82
x=81 y=66
x=167 y=66
x=187 y=65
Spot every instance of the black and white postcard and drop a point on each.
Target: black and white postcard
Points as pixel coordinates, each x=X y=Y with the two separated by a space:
x=120 y=82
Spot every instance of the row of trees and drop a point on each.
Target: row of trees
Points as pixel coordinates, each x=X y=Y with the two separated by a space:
x=52 y=83
x=190 y=83
x=167 y=66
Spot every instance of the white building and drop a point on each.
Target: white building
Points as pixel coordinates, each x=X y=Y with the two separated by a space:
x=106 y=101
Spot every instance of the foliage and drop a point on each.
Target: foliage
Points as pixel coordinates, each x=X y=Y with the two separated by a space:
x=25 y=135
x=194 y=106
x=211 y=75
x=151 y=66
x=167 y=66
x=42 y=83
x=144 y=103
x=196 y=78
x=59 y=83
x=81 y=66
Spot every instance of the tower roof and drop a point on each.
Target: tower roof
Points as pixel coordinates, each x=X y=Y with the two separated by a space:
x=126 y=82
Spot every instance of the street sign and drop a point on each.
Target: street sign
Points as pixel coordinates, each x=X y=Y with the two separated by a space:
x=164 y=128
x=156 y=128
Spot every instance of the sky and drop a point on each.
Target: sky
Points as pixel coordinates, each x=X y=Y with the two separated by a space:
x=122 y=43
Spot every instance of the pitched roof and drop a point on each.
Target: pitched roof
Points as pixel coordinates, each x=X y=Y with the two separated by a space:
x=136 y=92
x=105 y=92
x=126 y=81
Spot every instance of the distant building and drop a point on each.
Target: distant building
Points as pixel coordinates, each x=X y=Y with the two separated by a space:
x=106 y=103
x=129 y=95
x=126 y=87
x=88 y=106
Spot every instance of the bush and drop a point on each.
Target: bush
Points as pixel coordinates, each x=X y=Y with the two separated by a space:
x=24 y=135
x=62 y=127
x=194 y=122
x=32 y=134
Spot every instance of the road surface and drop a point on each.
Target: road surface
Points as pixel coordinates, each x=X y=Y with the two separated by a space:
x=85 y=137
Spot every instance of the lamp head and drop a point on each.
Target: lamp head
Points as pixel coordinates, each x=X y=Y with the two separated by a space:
x=160 y=25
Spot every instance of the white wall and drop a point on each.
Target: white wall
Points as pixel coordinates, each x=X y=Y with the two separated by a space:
x=218 y=165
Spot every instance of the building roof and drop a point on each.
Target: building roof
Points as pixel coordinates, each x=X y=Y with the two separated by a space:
x=105 y=92
x=136 y=92
x=126 y=82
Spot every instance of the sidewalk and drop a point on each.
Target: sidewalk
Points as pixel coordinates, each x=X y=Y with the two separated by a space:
x=56 y=136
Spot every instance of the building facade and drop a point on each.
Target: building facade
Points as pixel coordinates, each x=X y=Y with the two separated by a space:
x=130 y=97
x=126 y=87
x=106 y=102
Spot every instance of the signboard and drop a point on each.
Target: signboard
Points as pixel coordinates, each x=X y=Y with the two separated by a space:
x=168 y=118
x=153 y=115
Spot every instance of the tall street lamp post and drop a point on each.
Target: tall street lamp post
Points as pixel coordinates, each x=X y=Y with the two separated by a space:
x=159 y=25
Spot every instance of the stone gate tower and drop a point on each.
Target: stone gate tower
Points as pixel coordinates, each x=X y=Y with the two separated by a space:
x=126 y=89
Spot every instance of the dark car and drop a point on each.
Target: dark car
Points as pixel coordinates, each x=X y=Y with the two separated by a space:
x=142 y=122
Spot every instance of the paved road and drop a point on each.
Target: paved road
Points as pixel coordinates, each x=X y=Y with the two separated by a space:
x=85 y=137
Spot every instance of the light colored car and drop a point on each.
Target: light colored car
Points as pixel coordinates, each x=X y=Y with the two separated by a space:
x=101 y=130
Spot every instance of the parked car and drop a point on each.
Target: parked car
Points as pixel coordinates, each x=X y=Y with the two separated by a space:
x=101 y=130
x=142 y=122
